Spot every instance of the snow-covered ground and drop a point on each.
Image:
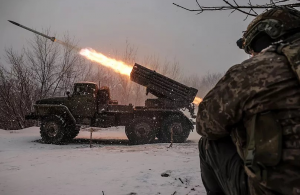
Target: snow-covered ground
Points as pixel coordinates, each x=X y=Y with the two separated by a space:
x=111 y=167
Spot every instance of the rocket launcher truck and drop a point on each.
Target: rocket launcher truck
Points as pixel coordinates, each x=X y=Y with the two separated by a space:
x=91 y=105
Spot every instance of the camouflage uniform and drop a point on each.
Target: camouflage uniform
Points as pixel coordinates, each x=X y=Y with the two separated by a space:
x=259 y=86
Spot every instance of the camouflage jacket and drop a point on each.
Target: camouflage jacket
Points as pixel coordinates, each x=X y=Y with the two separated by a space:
x=260 y=84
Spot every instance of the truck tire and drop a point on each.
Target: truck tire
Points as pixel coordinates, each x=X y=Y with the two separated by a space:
x=71 y=132
x=140 y=131
x=53 y=129
x=181 y=129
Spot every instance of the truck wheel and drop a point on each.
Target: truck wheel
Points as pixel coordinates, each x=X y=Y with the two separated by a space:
x=53 y=129
x=181 y=129
x=140 y=131
x=71 y=132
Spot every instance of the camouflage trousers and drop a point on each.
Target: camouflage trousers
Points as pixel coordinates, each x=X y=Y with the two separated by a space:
x=223 y=173
x=222 y=169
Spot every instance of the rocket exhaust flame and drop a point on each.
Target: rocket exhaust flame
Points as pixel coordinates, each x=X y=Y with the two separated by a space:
x=117 y=66
x=197 y=100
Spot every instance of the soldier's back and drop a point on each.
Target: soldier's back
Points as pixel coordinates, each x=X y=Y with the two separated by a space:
x=271 y=86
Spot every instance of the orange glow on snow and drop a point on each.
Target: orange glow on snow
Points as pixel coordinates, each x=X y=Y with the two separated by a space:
x=197 y=100
x=117 y=66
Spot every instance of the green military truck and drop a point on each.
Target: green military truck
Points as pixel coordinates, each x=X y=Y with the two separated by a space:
x=89 y=105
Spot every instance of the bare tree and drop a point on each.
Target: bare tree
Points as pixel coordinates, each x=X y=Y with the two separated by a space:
x=52 y=65
x=172 y=70
x=67 y=67
x=208 y=82
x=124 y=85
x=17 y=92
x=152 y=62
x=193 y=81
x=42 y=59
x=202 y=83
x=248 y=9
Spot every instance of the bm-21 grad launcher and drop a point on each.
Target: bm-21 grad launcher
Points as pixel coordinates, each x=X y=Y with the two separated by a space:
x=89 y=105
x=61 y=117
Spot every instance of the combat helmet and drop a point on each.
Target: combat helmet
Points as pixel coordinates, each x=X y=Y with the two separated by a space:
x=275 y=22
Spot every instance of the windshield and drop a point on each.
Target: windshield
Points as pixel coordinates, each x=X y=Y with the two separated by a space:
x=85 y=89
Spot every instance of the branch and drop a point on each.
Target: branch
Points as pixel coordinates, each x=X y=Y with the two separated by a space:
x=249 y=9
x=238 y=8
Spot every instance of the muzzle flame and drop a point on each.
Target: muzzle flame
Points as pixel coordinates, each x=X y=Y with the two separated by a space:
x=117 y=66
x=197 y=100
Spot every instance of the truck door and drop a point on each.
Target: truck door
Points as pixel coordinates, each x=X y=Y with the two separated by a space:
x=83 y=100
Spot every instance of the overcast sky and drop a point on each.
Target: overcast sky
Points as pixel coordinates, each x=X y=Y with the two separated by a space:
x=201 y=43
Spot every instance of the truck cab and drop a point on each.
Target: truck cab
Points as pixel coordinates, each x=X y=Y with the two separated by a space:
x=82 y=103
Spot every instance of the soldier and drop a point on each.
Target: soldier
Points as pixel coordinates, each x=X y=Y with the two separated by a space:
x=250 y=121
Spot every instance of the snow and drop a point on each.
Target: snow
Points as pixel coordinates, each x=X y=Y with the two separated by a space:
x=110 y=167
